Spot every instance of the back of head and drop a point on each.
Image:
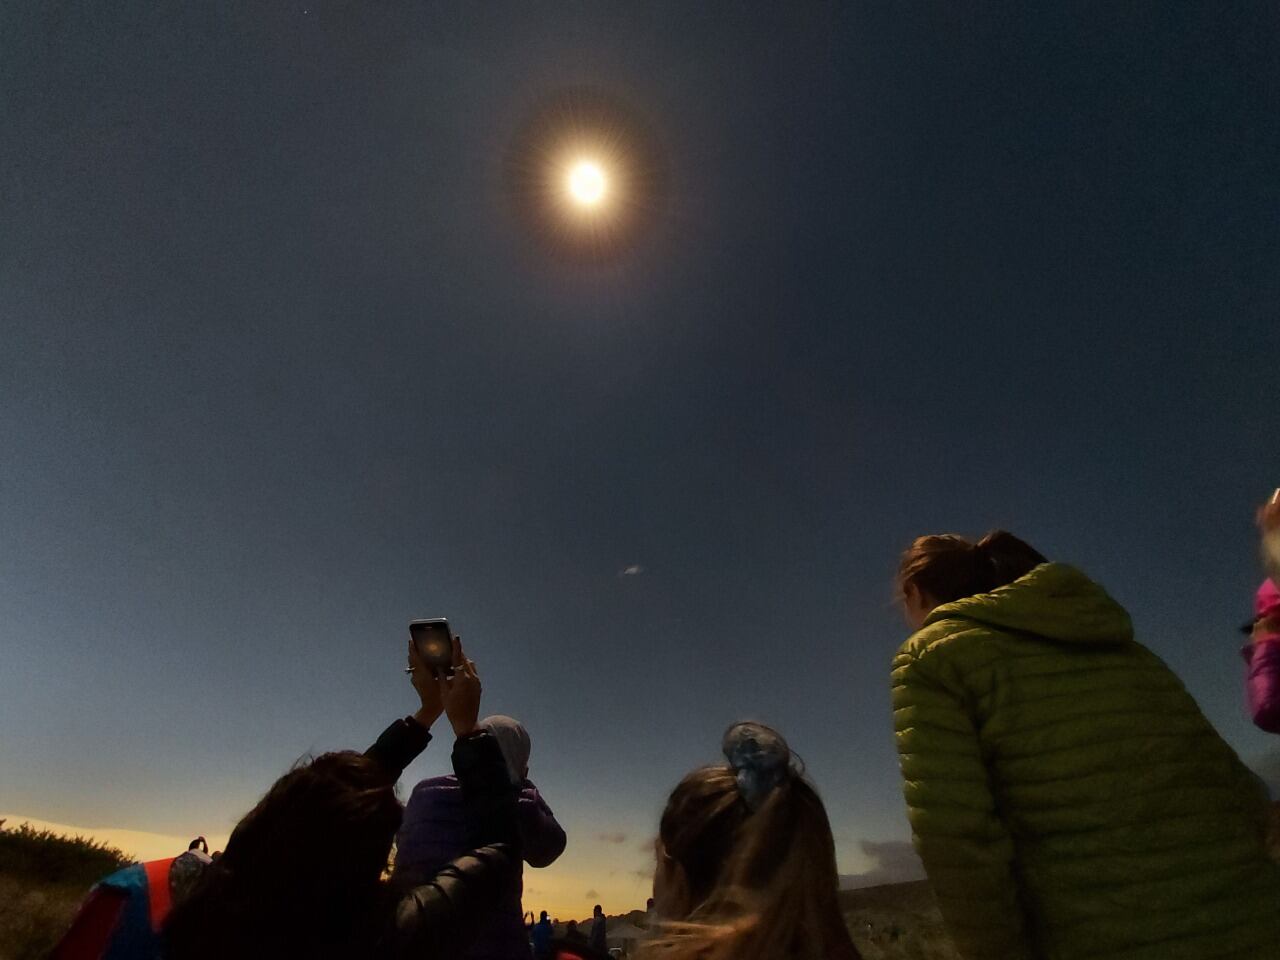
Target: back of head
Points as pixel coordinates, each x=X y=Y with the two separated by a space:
x=947 y=567
x=759 y=870
x=513 y=740
x=302 y=868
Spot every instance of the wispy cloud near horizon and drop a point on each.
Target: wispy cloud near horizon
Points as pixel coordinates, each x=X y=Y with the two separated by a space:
x=895 y=862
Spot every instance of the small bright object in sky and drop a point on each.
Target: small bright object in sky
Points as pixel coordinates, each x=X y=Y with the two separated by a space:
x=586 y=183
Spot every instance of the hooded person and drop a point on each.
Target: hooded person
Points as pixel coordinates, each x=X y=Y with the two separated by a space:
x=1067 y=796
x=434 y=831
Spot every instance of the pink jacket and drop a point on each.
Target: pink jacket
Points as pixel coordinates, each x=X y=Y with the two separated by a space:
x=1263 y=657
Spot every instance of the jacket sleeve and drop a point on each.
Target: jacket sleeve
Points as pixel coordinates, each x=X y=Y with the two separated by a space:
x=1262 y=685
x=438 y=919
x=542 y=836
x=398 y=746
x=966 y=848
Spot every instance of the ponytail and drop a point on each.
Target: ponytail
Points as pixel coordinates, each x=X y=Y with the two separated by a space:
x=948 y=567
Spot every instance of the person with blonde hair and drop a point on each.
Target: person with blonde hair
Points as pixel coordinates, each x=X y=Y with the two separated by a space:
x=746 y=861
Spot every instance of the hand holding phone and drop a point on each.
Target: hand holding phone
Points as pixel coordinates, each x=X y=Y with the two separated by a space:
x=460 y=692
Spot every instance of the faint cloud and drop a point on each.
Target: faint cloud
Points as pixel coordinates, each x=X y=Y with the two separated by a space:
x=895 y=862
x=632 y=570
x=648 y=845
x=618 y=837
x=591 y=895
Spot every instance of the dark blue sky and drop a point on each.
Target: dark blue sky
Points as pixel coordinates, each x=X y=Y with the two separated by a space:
x=281 y=369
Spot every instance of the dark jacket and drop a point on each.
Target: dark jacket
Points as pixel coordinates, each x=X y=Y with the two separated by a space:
x=434 y=832
x=434 y=920
x=443 y=914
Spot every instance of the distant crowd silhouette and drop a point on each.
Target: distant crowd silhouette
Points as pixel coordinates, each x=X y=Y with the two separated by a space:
x=1067 y=796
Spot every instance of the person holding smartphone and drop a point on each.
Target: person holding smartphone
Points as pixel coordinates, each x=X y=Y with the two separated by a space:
x=302 y=874
x=434 y=829
x=1262 y=652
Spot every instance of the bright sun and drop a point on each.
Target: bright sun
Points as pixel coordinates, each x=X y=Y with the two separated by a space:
x=586 y=183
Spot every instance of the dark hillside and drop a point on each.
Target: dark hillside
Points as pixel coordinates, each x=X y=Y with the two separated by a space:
x=897 y=921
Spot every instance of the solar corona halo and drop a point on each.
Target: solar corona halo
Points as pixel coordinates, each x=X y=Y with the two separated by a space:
x=585 y=176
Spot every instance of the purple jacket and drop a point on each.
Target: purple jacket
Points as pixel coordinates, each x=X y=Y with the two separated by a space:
x=1263 y=657
x=434 y=831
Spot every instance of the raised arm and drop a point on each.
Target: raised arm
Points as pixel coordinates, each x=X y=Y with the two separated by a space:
x=967 y=850
x=398 y=745
x=438 y=919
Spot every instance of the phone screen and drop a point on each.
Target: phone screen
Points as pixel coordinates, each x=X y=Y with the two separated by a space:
x=434 y=642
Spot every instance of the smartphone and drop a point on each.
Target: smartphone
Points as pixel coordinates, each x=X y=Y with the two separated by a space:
x=434 y=642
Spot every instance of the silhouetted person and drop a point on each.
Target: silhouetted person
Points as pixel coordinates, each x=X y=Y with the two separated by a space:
x=1067 y=796
x=540 y=937
x=572 y=934
x=278 y=893
x=434 y=831
x=599 y=936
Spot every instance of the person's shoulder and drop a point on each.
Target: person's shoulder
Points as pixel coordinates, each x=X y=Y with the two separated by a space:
x=938 y=639
x=435 y=789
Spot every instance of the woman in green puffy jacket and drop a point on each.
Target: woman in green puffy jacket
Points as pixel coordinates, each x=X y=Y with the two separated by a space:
x=1068 y=798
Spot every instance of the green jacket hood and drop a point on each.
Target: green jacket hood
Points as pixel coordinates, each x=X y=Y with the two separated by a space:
x=1054 y=600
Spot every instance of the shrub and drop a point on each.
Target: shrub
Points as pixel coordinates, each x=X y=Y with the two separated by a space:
x=43 y=878
x=41 y=857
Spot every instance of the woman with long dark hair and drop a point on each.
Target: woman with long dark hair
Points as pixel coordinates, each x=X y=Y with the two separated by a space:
x=1068 y=798
x=302 y=875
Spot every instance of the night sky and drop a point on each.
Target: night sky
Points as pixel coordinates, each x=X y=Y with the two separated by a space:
x=282 y=367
